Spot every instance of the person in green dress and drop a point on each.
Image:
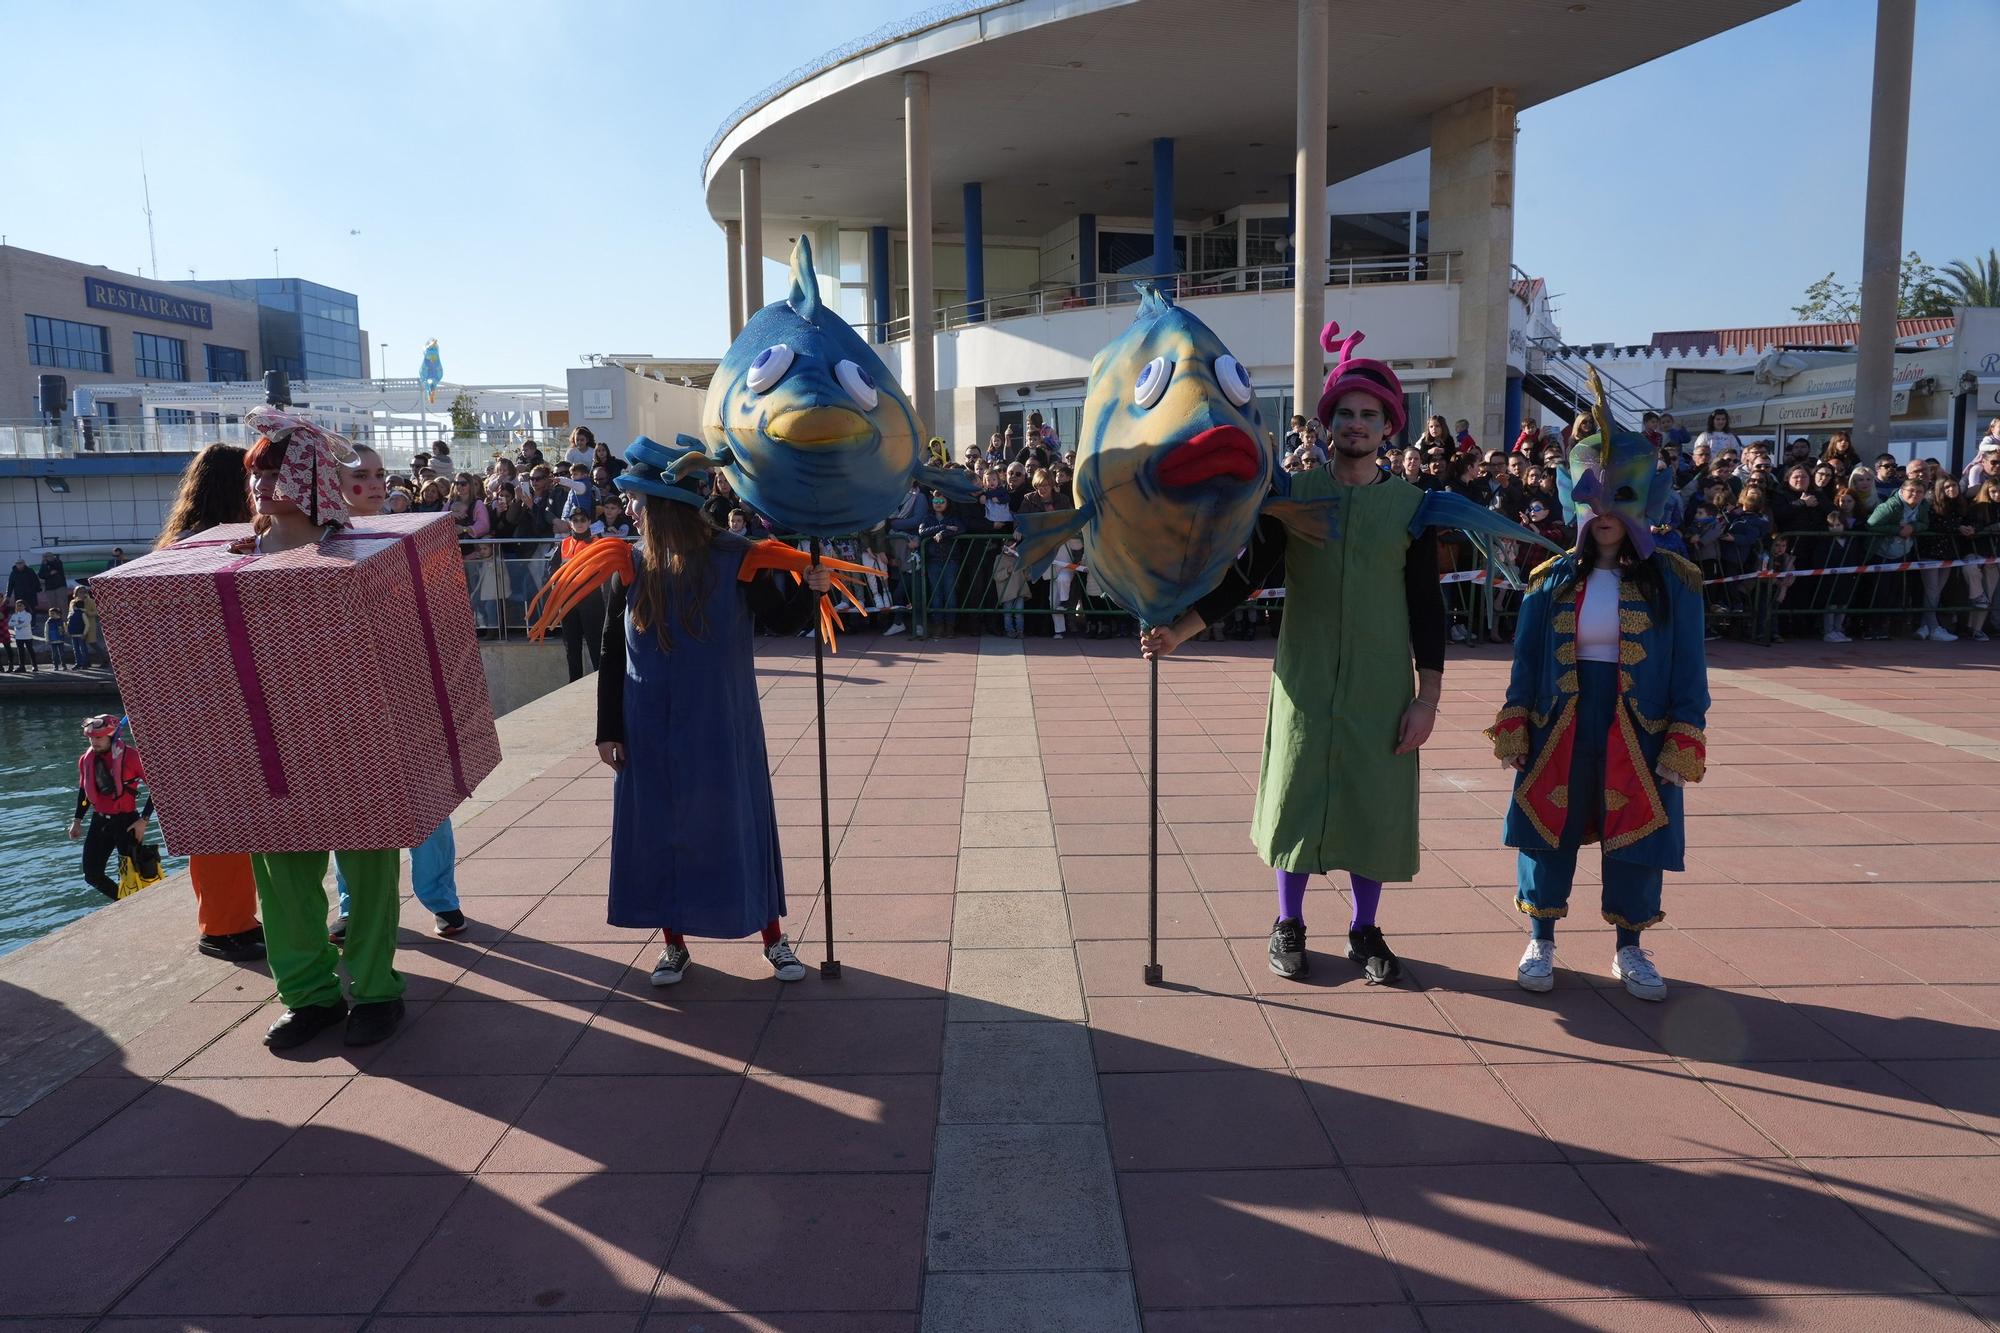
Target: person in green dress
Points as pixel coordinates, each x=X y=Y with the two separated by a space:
x=1359 y=669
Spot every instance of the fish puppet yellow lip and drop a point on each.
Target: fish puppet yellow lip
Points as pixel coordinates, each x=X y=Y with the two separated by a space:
x=808 y=426
x=1220 y=451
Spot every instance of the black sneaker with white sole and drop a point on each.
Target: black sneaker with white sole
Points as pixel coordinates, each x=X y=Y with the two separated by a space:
x=673 y=965
x=784 y=963
x=1367 y=947
x=1288 y=947
x=449 y=924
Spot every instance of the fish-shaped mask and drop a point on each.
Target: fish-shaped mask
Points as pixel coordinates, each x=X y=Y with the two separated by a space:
x=807 y=422
x=1172 y=468
x=1614 y=478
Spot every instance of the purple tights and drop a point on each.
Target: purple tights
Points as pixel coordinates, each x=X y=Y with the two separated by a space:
x=1292 y=898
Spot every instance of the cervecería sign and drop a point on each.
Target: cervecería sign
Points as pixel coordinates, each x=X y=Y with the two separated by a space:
x=151 y=305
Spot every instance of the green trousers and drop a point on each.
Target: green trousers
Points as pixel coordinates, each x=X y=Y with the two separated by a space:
x=291 y=889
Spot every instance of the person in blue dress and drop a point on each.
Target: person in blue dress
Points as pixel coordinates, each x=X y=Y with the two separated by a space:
x=694 y=834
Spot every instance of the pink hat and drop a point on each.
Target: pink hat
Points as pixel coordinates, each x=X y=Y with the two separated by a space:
x=1359 y=374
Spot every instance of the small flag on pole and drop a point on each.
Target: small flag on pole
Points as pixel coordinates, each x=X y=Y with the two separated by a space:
x=432 y=373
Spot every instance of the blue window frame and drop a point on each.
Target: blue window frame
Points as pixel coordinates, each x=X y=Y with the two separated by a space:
x=225 y=365
x=158 y=358
x=68 y=345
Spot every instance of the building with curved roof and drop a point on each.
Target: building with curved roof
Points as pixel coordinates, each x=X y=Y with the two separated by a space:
x=1022 y=164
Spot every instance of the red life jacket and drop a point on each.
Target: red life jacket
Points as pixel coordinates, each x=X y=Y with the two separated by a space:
x=126 y=772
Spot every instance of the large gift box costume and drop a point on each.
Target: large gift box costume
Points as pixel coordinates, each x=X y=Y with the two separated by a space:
x=226 y=663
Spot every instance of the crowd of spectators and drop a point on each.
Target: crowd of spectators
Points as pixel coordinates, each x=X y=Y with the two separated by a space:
x=45 y=614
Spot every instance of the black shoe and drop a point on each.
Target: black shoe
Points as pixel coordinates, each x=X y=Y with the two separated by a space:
x=1367 y=947
x=1288 y=948
x=449 y=924
x=373 y=1022
x=240 y=948
x=336 y=934
x=300 y=1026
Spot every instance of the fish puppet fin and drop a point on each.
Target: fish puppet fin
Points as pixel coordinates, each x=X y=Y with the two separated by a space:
x=783 y=559
x=955 y=483
x=593 y=567
x=1315 y=522
x=703 y=457
x=1044 y=534
x=1481 y=526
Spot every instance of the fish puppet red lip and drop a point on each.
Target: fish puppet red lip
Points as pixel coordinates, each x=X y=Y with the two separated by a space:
x=1220 y=451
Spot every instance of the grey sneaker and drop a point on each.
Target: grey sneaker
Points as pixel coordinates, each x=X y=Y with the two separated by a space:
x=784 y=963
x=1288 y=948
x=673 y=965
x=1634 y=966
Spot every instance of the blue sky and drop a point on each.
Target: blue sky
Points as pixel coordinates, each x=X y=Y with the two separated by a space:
x=520 y=181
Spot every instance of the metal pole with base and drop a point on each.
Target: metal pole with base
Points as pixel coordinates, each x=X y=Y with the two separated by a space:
x=831 y=967
x=1153 y=974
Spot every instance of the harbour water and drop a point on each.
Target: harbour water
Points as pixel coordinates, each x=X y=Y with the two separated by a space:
x=41 y=887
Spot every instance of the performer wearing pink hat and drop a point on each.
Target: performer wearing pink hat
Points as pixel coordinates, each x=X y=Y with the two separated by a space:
x=1359 y=669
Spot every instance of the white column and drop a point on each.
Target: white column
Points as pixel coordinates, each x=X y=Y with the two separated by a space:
x=732 y=236
x=1309 y=209
x=917 y=190
x=752 y=201
x=1882 y=225
x=1472 y=214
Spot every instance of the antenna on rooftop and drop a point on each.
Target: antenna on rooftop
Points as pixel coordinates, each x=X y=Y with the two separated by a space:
x=147 y=186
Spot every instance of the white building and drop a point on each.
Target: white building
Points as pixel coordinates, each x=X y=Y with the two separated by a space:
x=1045 y=153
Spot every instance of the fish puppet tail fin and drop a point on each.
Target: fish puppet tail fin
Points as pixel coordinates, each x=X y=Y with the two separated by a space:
x=1045 y=534
x=1481 y=526
x=593 y=567
x=783 y=559
x=1315 y=522
x=953 y=483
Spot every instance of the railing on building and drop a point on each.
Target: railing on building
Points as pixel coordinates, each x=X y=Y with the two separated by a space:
x=1117 y=289
x=397 y=442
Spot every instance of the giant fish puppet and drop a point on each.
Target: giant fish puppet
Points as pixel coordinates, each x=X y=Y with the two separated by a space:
x=808 y=424
x=1611 y=472
x=1173 y=470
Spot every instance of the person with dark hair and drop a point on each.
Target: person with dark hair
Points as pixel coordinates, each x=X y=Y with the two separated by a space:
x=678 y=695
x=213 y=493
x=582 y=448
x=1606 y=713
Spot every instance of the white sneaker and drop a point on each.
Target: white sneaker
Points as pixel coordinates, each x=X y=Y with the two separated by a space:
x=1634 y=966
x=1835 y=636
x=1537 y=971
x=784 y=963
x=1923 y=631
x=892 y=631
x=1943 y=635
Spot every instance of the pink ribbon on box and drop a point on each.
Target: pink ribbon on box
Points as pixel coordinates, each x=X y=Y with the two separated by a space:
x=236 y=632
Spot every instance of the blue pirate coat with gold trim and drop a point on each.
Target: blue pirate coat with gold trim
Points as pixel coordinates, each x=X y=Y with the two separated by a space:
x=1660 y=721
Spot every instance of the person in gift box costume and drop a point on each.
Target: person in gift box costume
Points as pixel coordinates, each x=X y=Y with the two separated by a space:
x=295 y=470
x=212 y=493
x=434 y=861
x=1606 y=709
x=1338 y=787
x=694 y=834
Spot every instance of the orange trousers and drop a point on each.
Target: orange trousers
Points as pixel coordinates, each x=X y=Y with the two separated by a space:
x=225 y=894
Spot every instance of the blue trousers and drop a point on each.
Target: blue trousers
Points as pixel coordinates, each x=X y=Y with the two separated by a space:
x=431 y=872
x=1631 y=892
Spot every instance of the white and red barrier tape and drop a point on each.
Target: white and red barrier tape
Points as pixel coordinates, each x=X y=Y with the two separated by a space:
x=1895 y=568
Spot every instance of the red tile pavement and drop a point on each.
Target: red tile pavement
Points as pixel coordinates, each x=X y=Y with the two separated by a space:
x=1812 y=1120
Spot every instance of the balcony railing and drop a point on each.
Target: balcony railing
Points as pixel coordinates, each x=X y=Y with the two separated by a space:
x=396 y=441
x=1123 y=289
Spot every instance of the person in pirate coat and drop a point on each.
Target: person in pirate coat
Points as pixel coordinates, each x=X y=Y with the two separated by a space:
x=1606 y=710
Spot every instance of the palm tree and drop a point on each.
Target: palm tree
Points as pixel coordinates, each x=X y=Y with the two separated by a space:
x=1976 y=283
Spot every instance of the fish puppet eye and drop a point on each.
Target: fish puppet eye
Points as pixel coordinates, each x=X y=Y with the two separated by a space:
x=1152 y=385
x=1234 y=379
x=859 y=385
x=769 y=367
x=1625 y=495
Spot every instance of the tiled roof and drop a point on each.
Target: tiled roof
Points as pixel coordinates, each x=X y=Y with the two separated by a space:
x=1933 y=329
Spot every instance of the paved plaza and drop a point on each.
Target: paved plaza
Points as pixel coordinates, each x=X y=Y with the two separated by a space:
x=990 y=1123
